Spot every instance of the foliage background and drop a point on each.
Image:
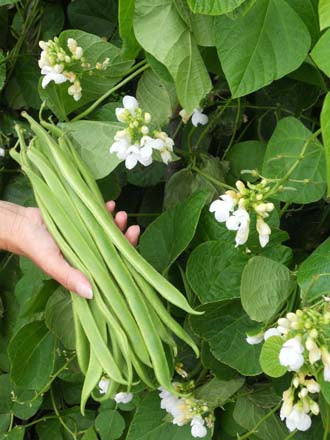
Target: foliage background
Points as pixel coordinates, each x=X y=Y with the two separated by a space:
x=260 y=70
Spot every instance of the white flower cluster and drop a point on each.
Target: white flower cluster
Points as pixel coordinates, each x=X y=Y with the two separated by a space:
x=298 y=405
x=57 y=64
x=136 y=143
x=119 y=397
x=197 y=117
x=305 y=351
x=233 y=208
x=186 y=410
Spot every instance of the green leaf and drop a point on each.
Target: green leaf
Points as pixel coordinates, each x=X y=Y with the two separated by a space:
x=110 y=425
x=325 y=387
x=95 y=17
x=320 y=53
x=203 y=28
x=59 y=317
x=7 y=2
x=217 y=392
x=291 y=145
x=251 y=48
x=307 y=11
x=269 y=357
x=214 y=7
x=150 y=422
x=265 y=286
x=248 y=412
x=246 y=155
x=15 y=434
x=156 y=97
x=90 y=434
x=125 y=17
x=314 y=273
x=175 y=47
x=32 y=356
x=325 y=126
x=93 y=140
x=224 y=326
x=214 y=270
x=324 y=14
x=172 y=231
x=221 y=371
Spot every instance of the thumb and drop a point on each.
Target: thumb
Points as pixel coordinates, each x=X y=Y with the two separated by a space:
x=72 y=279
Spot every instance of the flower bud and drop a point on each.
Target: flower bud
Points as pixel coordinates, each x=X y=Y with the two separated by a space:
x=314 y=407
x=313 y=333
x=303 y=393
x=291 y=316
x=240 y=186
x=296 y=382
x=147 y=118
x=144 y=129
x=283 y=322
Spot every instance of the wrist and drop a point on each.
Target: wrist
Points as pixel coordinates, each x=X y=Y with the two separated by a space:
x=11 y=221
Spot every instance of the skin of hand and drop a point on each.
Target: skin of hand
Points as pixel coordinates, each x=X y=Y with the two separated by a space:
x=23 y=232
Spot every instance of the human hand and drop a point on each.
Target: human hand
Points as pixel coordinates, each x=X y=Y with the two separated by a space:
x=23 y=232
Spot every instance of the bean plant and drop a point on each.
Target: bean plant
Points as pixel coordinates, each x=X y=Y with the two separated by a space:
x=208 y=121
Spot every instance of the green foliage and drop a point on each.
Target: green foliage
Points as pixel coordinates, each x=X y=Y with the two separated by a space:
x=265 y=286
x=269 y=357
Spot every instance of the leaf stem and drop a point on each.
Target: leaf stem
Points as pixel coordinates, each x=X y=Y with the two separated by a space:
x=291 y=435
x=260 y=422
x=109 y=92
x=60 y=419
x=238 y=113
x=294 y=165
x=212 y=179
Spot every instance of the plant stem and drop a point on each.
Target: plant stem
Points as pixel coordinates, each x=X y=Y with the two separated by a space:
x=60 y=419
x=238 y=113
x=291 y=435
x=178 y=128
x=109 y=92
x=42 y=419
x=212 y=179
x=293 y=166
x=260 y=422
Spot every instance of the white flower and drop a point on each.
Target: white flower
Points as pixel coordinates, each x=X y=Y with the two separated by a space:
x=314 y=351
x=164 y=144
x=312 y=386
x=2 y=152
x=51 y=74
x=291 y=354
x=121 y=144
x=103 y=386
x=75 y=90
x=197 y=427
x=223 y=207
x=240 y=222
x=255 y=339
x=123 y=397
x=198 y=117
x=184 y=116
x=264 y=231
x=326 y=373
x=130 y=105
x=271 y=332
x=298 y=419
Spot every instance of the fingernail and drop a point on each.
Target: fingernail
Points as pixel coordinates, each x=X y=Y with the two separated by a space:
x=83 y=289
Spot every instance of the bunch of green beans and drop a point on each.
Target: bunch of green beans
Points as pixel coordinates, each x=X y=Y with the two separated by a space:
x=125 y=332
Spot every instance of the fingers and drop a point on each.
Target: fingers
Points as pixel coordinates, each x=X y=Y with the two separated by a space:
x=69 y=277
x=133 y=234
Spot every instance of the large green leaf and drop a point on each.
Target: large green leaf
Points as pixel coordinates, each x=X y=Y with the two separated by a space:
x=95 y=17
x=291 y=146
x=325 y=126
x=59 y=317
x=314 y=273
x=125 y=17
x=214 y=270
x=249 y=411
x=52 y=21
x=174 y=46
x=32 y=356
x=2 y=70
x=246 y=155
x=307 y=10
x=214 y=7
x=320 y=53
x=156 y=97
x=110 y=424
x=217 y=392
x=224 y=326
x=265 y=286
x=150 y=422
x=93 y=140
x=169 y=235
x=324 y=14
x=251 y=48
